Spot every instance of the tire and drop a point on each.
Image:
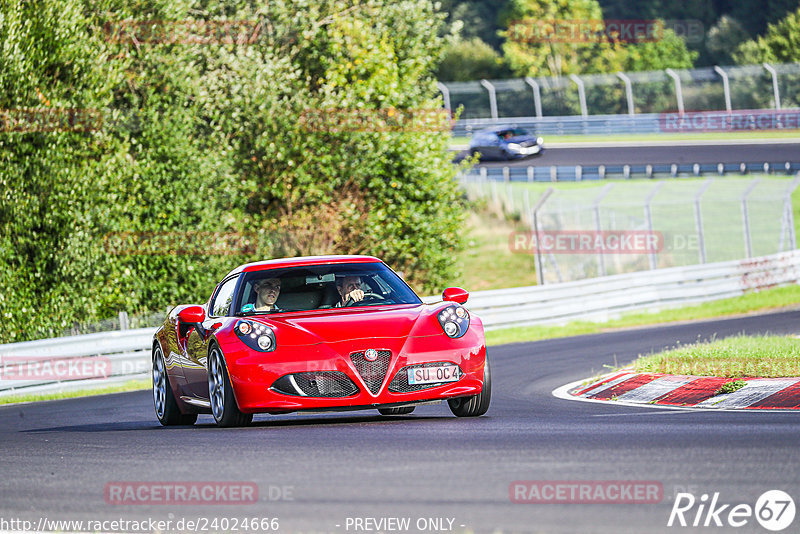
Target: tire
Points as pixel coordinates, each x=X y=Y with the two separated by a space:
x=402 y=410
x=220 y=393
x=167 y=410
x=475 y=405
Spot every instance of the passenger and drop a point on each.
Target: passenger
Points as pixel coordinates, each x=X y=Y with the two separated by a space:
x=267 y=291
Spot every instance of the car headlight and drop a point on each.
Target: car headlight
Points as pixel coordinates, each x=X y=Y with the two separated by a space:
x=454 y=320
x=539 y=141
x=515 y=146
x=256 y=335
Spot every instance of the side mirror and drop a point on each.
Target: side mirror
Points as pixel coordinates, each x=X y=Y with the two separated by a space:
x=455 y=294
x=192 y=315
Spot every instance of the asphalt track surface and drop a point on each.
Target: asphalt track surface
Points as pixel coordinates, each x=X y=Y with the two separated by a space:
x=58 y=456
x=642 y=155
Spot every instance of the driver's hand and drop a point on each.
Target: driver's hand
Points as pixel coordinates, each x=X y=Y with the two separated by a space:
x=356 y=295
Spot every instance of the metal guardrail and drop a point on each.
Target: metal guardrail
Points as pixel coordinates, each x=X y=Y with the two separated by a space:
x=577 y=173
x=127 y=353
x=715 y=89
x=645 y=123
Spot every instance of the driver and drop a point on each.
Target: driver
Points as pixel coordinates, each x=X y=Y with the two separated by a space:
x=349 y=288
x=267 y=291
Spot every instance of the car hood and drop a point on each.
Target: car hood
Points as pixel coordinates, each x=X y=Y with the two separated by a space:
x=335 y=325
x=529 y=140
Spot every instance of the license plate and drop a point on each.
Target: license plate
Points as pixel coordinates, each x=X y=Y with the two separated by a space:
x=433 y=374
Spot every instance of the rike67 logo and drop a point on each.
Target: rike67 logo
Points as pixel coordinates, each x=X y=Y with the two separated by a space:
x=774 y=510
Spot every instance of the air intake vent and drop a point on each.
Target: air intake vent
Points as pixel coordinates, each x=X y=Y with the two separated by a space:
x=316 y=384
x=374 y=372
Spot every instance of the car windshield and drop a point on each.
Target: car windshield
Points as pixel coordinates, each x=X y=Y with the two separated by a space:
x=314 y=287
x=516 y=132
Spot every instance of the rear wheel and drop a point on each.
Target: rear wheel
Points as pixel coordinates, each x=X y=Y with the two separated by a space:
x=477 y=404
x=402 y=410
x=166 y=406
x=220 y=393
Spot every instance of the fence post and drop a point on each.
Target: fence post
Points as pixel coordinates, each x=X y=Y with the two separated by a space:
x=535 y=219
x=748 y=244
x=601 y=264
x=788 y=216
x=648 y=215
x=776 y=92
x=698 y=219
x=581 y=94
x=537 y=95
x=726 y=87
x=492 y=97
x=678 y=89
x=123 y=320
x=628 y=92
x=445 y=95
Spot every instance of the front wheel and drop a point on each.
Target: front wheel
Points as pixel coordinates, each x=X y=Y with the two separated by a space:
x=220 y=393
x=477 y=404
x=166 y=406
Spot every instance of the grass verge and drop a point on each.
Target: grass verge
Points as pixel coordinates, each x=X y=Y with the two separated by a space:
x=775 y=298
x=132 y=385
x=733 y=357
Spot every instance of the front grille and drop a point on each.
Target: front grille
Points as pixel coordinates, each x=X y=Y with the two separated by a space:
x=316 y=384
x=373 y=373
x=400 y=382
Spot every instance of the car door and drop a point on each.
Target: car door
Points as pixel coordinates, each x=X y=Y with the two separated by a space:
x=195 y=365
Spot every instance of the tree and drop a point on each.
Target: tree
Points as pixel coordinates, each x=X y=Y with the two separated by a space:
x=468 y=60
x=556 y=38
x=780 y=44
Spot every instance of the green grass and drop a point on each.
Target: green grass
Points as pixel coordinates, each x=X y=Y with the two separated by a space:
x=711 y=136
x=132 y=385
x=781 y=297
x=730 y=387
x=733 y=357
x=487 y=261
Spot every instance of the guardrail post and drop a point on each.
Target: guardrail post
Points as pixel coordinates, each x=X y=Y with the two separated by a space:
x=748 y=244
x=601 y=264
x=678 y=89
x=536 y=231
x=776 y=92
x=581 y=94
x=628 y=92
x=530 y=173
x=537 y=95
x=648 y=215
x=445 y=95
x=787 y=224
x=123 y=320
x=726 y=87
x=492 y=97
x=698 y=219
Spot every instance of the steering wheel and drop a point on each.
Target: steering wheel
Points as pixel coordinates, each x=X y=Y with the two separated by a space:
x=373 y=296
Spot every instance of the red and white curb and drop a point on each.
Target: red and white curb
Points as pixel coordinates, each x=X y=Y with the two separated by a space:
x=678 y=391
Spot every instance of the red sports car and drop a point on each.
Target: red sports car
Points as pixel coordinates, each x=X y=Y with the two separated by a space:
x=317 y=333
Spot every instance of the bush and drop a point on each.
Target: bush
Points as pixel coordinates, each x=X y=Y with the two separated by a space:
x=206 y=139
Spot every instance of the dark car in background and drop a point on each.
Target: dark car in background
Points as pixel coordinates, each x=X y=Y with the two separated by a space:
x=505 y=143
